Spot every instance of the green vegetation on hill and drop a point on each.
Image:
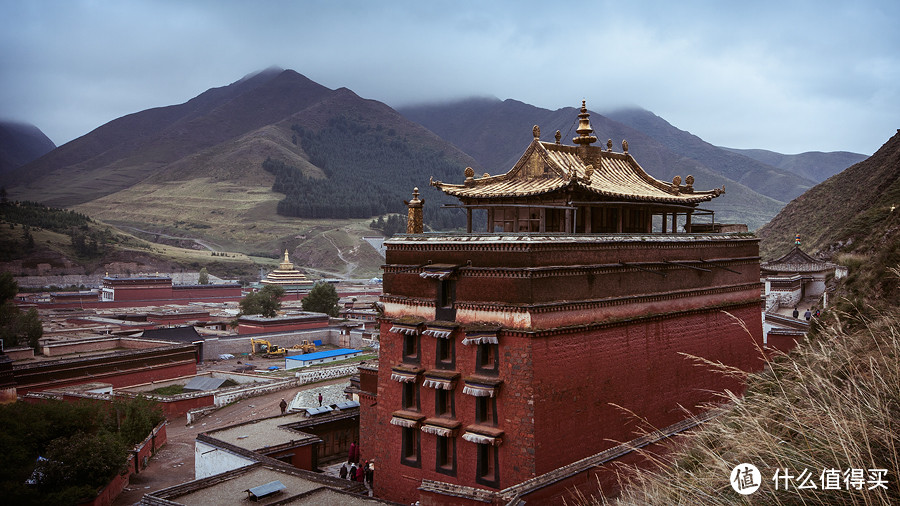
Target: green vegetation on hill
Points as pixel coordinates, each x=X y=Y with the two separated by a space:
x=87 y=239
x=369 y=172
x=853 y=212
x=394 y=224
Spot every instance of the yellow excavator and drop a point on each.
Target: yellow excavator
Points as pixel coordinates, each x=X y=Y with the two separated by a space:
x=269 y=350
x=266 y=349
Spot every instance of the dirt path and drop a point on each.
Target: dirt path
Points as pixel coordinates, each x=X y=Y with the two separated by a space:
x=209 y=246
x=350 y=265
x=173 y=464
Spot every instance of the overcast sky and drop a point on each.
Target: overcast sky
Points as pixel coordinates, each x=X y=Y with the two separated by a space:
x=786 y=76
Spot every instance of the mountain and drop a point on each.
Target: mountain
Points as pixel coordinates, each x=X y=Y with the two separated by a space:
x=237 y=167
x=814 y=165
x=768 y=180
x=496 y=132
x=129 y=149
x=855 y=212
x=21 y=143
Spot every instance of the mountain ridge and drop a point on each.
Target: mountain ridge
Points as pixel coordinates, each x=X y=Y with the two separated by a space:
x=855 y=211
x=21 y=143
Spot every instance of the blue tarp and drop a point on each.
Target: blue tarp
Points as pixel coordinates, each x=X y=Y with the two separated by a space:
x=323 y=354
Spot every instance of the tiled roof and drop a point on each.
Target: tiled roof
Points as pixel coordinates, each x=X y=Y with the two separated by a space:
x=610 y=175
x=796 y=260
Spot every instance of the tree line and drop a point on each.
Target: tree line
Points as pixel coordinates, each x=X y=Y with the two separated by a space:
x=87 y=242
x=369 y=172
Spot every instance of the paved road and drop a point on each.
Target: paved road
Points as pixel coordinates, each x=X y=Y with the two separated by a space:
x=173 y=464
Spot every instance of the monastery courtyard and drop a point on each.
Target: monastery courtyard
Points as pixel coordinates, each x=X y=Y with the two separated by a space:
x=174 y=463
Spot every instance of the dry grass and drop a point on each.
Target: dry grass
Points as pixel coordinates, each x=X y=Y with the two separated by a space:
x=833 y=403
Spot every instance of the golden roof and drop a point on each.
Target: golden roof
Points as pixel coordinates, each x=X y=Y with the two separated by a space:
x=285 y=274
x=546 y=167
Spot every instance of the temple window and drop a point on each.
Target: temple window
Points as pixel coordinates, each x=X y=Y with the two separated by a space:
x=487 y=465
x=443 y=403
x=486 y=359
x=409 y=446
x=446 y=455
x=486 y=410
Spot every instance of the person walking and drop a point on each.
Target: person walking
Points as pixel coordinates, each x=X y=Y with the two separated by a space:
x=283 y=406
x=343 y=472
x=352 y=474
x=320 y=399
x=351 y=456
x=796 y=312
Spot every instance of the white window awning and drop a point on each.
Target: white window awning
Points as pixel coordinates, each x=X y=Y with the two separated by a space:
x=404 y=422
x=403 y=377
x=481 y=439
x=439 y=333
x=437 y=430
x=438 y=383
x=479 y=390
x=404 y=329
x=441 y=275
x=480 y=339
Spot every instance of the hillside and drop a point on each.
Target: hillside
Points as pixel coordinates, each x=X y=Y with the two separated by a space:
x=852 y=212
x=776 y=183
x=21 y=143
x=40 y=241
x=198 y=171
x=814 y=165
x=496 y=133
x=127 y=150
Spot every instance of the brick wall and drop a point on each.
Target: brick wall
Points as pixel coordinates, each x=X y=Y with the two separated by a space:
x=579 y=377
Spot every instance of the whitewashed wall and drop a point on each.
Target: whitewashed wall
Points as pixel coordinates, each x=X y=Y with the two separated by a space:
x=209 y=460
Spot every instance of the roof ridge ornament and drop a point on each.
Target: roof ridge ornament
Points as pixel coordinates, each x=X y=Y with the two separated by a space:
x=584 y=127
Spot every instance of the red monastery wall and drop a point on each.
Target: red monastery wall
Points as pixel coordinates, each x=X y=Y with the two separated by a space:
x=580 y=378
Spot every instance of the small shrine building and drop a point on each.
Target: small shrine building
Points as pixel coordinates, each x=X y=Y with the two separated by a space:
x=288 y=277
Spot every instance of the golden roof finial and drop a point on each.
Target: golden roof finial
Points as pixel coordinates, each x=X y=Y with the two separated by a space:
x=584 y=127
x=558 y=136
x=536 y=132
x=286 y=256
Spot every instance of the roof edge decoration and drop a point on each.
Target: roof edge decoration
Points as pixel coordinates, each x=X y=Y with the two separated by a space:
x=547 y=167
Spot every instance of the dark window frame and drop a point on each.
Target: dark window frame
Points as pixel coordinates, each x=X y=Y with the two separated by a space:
x=487 y=359
x=409 y=396
x=487 y=466
x=446 y=347
x=444 y=463
x=412 y=348
x=411 y=447
x=444 y=300
x=486 y=411
x=447 y=408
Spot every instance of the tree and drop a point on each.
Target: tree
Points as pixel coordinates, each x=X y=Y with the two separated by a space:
x=82 y=459
x=16 y=326
x=203 y=278
x=265 y=302
x=323 y=298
